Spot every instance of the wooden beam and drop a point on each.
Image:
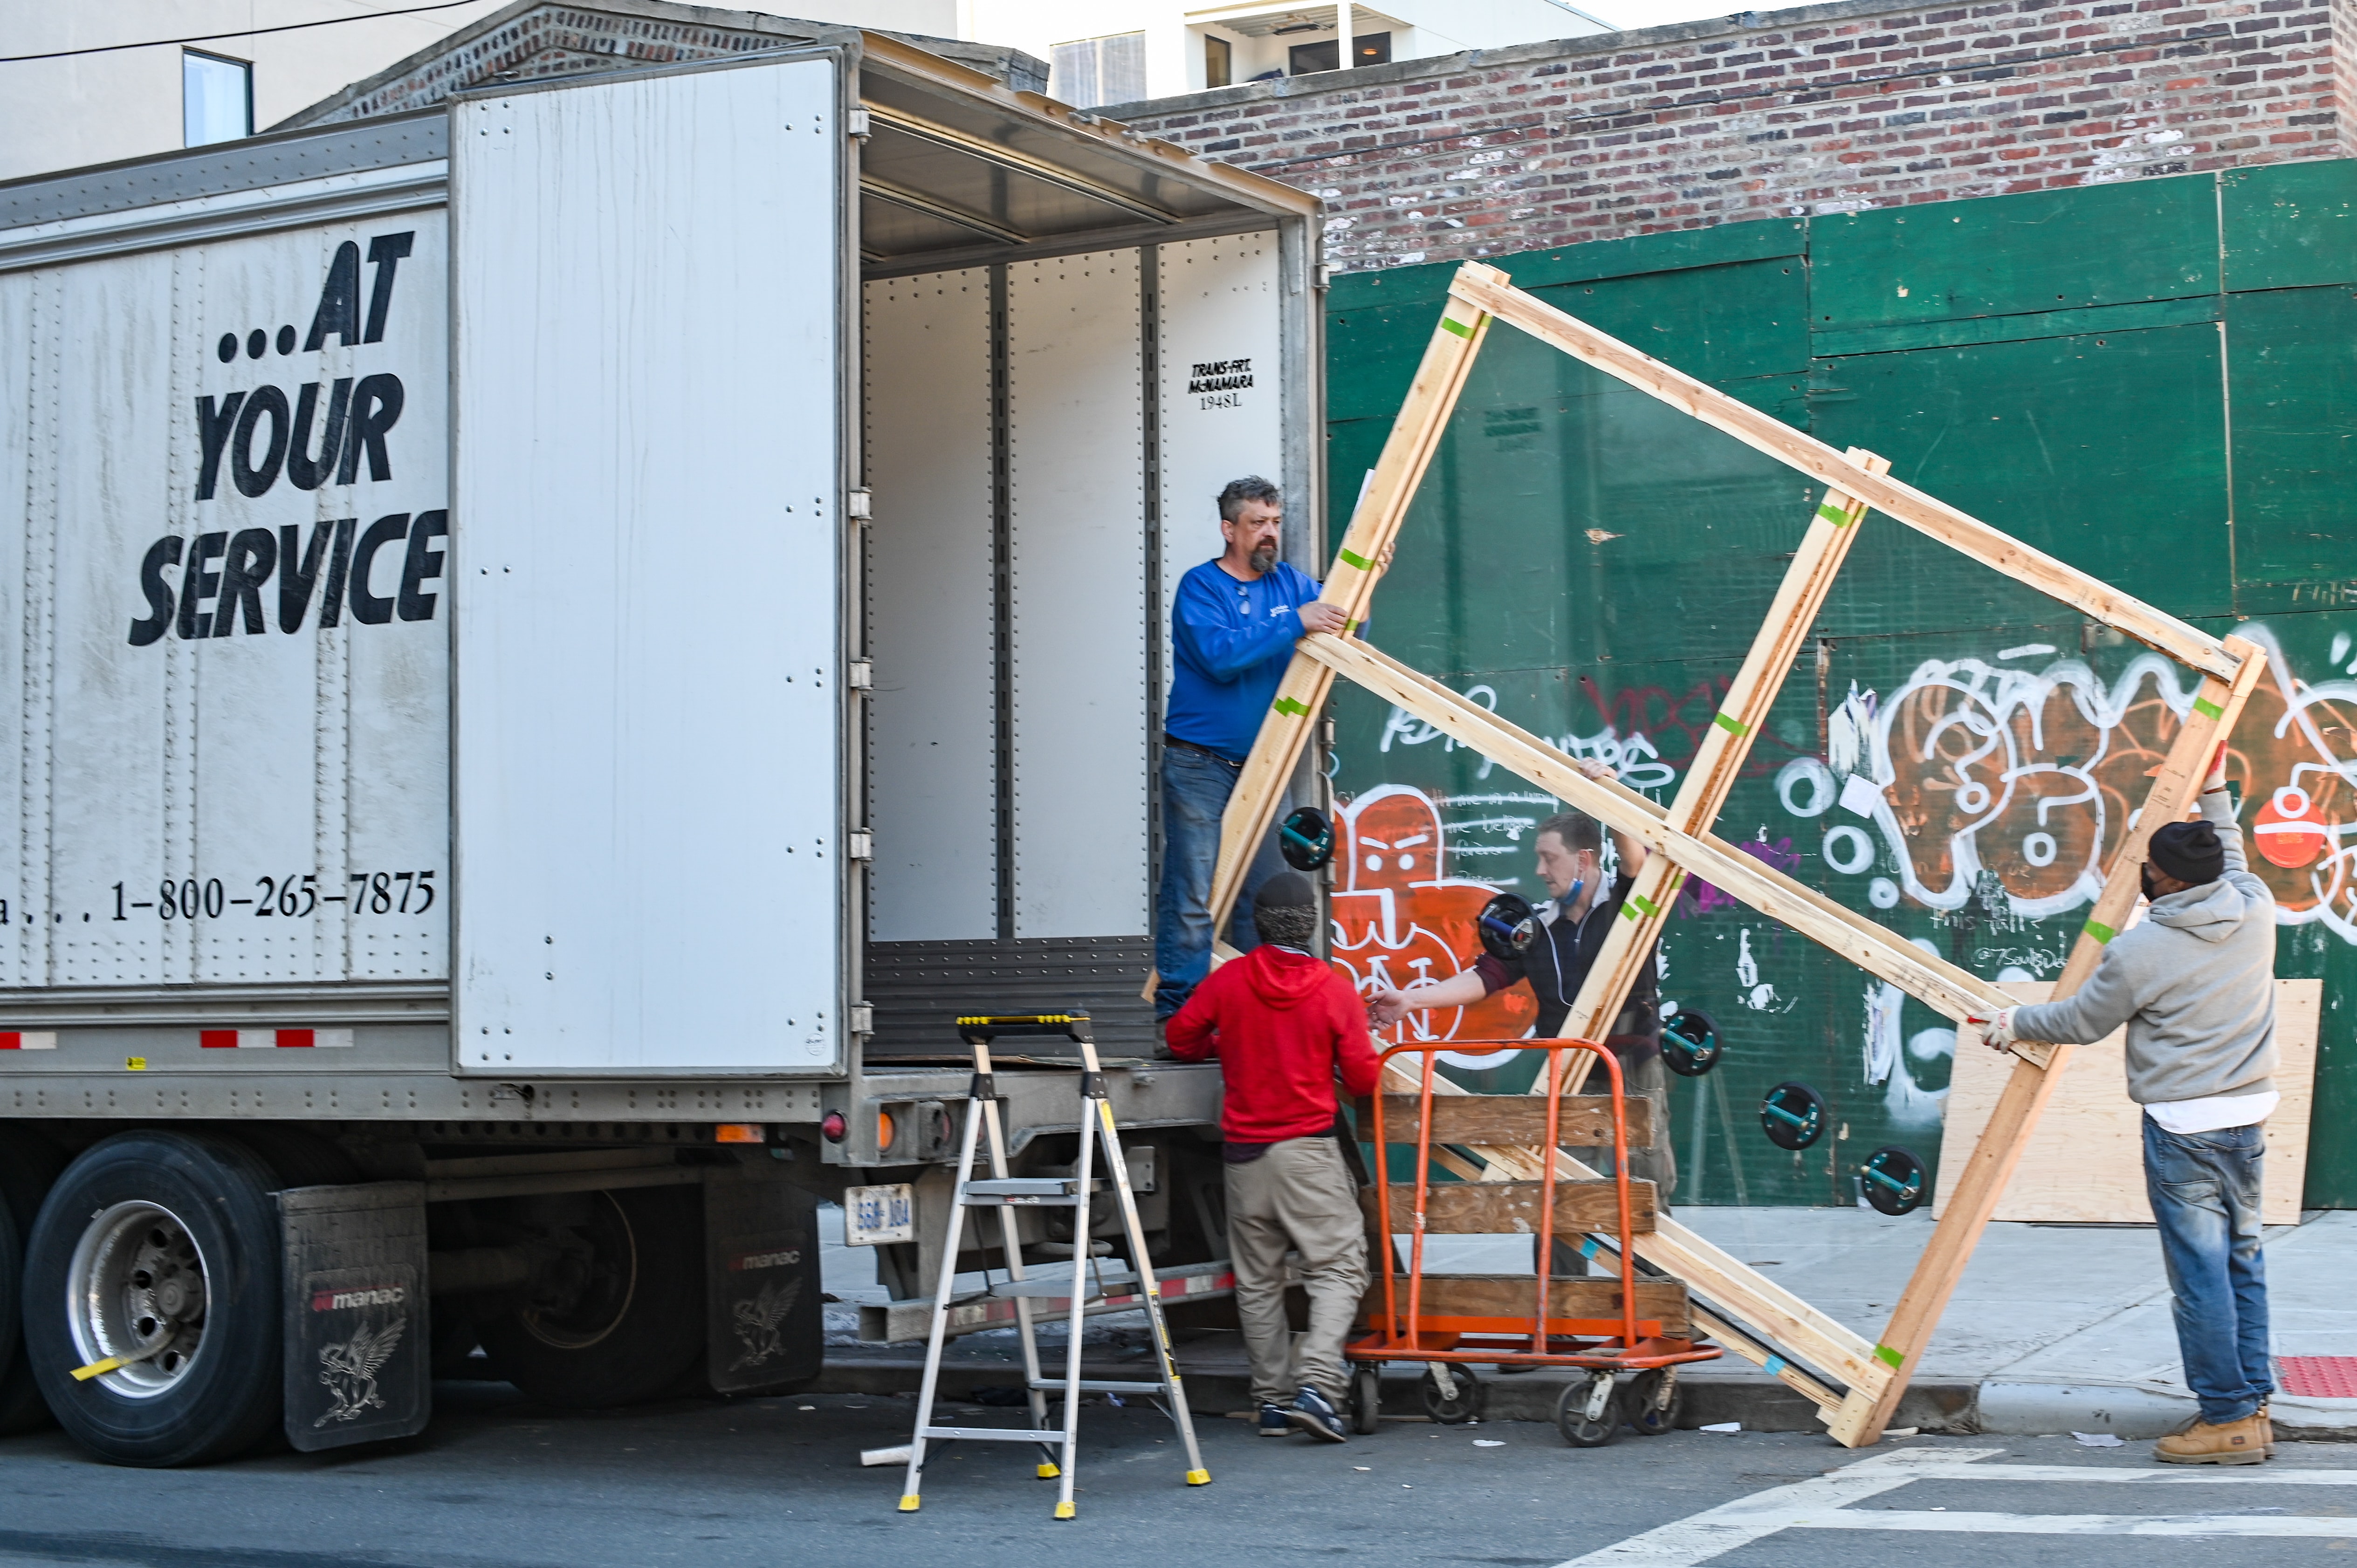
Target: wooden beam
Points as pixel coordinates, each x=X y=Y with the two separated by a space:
x=1585 y=1121
x=1767 y=434
x=1974 y=1198
x=1511 y=1208
x=1506 y=1297
x=1719 y=759
x=1936 y=982
x=1350 y=581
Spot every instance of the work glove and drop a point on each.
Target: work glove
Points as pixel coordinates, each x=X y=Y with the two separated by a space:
x=2217 y=780
x=1997 y=1032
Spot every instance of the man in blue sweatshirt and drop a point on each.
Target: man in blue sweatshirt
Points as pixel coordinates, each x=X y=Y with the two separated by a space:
x=1231 y=633
x=2195 y=986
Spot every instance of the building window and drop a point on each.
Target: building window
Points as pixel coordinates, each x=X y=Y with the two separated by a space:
x=1219 y=59
x=216 y=99
x=1367 y=48
x=1093 y=72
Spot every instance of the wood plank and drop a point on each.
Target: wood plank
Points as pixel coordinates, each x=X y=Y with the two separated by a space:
x=1933 y=981
x=1730 y=1337
x=1718 y=759
x=1350 y=582
x=1586 y=1119
x=1927 y=514
x=2084 y=1165
x=1792 y=1326
x=1511 y=1208
x=1973 y=1196
x=1510 y=1297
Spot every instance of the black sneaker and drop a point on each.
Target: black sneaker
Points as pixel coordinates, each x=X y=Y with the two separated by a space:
x=1274 y=1422
x=1314 y=1413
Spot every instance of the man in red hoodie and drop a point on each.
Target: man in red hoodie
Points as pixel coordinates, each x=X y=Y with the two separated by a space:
x=1284 y=1025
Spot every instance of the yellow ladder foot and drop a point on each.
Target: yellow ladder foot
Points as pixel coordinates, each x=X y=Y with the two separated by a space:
x=1049 y=1472
x=1198 y=1478
x=909 y=1503
x=1064 y=1510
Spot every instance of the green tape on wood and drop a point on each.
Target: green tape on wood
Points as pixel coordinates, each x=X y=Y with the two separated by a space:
x=2100 y=931
x=1456 y=327
x=1643 y=905
x=1733 y=726
x=1361 y=562
x=1837 y=516
x=2208 y=709
x=1290 y=708
x=1887 y=1356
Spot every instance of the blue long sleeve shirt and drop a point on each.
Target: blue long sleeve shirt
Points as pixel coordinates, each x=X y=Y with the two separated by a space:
x=1231 y=641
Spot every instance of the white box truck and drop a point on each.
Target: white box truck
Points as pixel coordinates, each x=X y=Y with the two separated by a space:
x=560 y=639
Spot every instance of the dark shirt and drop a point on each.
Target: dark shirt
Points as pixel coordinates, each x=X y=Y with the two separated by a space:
x=1558 y=961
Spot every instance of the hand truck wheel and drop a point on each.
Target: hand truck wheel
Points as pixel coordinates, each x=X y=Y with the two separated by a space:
x=1653 y=1408
x=1471 y=1396
x=1366 y=1398
x=1580 y=1429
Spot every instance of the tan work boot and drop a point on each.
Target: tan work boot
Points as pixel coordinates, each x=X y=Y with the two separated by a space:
x=2266 y=1428
x=2242 y=1442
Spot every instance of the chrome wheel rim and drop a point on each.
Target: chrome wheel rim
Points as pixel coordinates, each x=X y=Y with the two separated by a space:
x=137 y=1287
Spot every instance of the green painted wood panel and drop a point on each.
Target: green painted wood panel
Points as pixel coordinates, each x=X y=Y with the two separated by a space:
x=2290 y=226
x=2294 y=358
x=2062 y=250
x=1591 y=566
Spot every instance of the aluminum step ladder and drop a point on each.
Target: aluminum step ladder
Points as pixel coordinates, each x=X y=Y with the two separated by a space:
x=1057 y=1450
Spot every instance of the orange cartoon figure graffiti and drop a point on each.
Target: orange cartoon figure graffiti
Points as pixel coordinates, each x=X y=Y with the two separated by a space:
x=1402 y=921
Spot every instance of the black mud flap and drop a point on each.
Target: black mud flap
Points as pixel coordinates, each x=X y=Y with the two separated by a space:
x=359 y=1367
x=767 y=1321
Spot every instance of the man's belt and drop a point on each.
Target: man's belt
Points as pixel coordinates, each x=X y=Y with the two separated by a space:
x=1168 y=739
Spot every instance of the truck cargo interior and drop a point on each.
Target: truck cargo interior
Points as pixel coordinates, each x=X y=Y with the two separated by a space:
x=1073 y=339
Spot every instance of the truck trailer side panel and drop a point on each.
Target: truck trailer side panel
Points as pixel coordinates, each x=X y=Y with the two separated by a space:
x=647 y=321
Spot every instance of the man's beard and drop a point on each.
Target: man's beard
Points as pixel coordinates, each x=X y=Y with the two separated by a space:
x=1263 y=557
x=2144 y=873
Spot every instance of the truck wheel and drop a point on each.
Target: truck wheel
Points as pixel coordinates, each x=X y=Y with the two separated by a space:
x=28 y=1166
x=622 y=1320
x=161 y=1248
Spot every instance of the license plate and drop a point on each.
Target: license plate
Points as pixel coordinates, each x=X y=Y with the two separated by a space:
x=875 y=1215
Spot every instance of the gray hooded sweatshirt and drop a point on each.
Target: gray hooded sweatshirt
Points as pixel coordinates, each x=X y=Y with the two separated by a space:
x=2194 y=983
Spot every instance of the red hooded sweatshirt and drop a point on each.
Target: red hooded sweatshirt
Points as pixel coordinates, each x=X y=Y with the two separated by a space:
x=1281 y=1023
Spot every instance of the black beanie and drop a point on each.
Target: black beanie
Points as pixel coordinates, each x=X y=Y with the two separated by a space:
x=1286 y=890
x=2190 y=852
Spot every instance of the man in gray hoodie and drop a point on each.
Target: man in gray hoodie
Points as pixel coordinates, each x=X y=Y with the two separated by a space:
x=2195 y=985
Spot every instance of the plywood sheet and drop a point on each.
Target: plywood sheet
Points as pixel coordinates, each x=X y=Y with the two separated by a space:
x=2085 y=1161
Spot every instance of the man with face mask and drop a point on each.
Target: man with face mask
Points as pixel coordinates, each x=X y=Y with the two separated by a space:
x=1233 y=628
x=1580 y=910
x=2194 y=985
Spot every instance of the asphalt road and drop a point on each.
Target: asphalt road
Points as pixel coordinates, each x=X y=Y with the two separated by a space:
x=499 y=1483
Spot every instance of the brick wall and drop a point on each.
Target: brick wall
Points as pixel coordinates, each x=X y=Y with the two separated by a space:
x=1820 y=109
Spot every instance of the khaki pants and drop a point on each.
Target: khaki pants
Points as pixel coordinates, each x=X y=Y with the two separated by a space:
x=1297 y=1197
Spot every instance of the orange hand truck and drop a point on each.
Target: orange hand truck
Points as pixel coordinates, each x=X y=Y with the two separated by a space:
x=1634 y=1326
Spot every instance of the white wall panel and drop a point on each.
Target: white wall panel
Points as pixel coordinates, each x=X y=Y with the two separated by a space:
x=649 y=770
x=932 y=626
x=1076 y=425
x=1221 y=395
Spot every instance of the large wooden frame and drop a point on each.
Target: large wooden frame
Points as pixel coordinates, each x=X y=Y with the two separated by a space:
x=1855 y=1383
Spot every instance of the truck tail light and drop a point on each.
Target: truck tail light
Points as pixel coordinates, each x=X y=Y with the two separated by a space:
x=834 y=1127
x=739 y=1132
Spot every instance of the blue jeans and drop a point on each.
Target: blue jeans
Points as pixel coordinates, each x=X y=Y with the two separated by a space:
x=1195 y=790
x=2205 y=1193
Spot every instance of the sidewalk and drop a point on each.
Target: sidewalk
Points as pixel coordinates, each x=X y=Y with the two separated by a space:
x=2055 y=1327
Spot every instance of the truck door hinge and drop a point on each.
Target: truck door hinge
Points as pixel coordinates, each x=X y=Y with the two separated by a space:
x=855 y=124
x=863 y=675
x=863 y=844
x=857 y=502
x=863 y=1018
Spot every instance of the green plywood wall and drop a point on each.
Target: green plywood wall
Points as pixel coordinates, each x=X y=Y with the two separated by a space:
x=1592 y=565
